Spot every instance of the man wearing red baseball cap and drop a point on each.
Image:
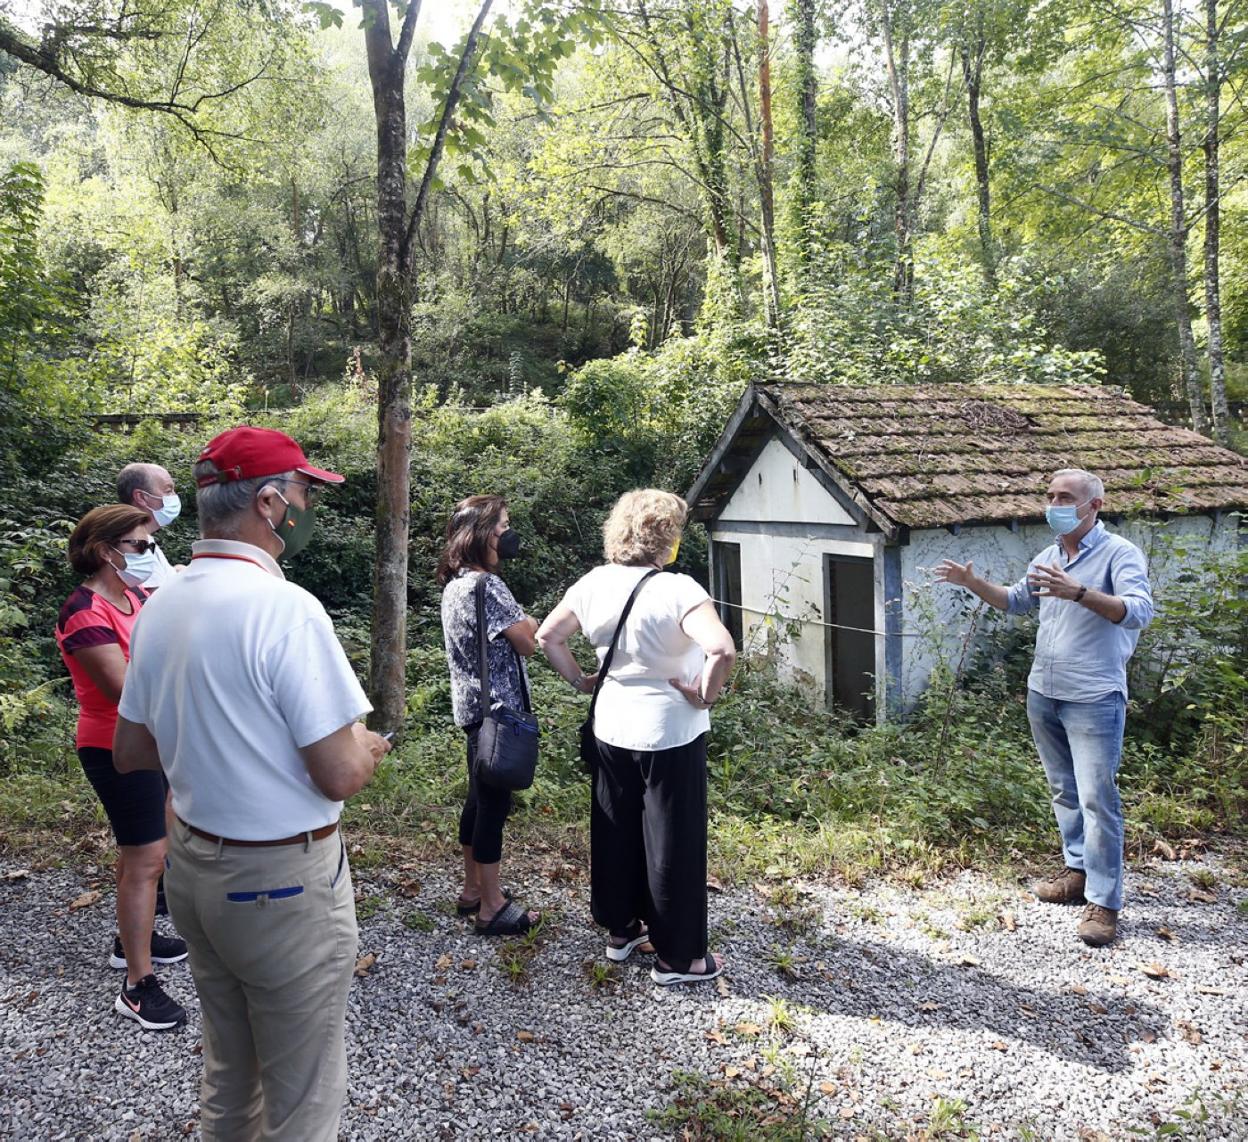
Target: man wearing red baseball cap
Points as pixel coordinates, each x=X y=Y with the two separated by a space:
x=240 y=691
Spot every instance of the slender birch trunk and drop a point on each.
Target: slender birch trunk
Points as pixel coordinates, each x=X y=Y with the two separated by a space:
x=1213 y=226
x=1179 y=229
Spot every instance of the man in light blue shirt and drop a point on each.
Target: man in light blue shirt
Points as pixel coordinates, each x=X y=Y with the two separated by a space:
x=1094 y=597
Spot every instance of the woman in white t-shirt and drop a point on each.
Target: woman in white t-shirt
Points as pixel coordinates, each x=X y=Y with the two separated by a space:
x=648 y=822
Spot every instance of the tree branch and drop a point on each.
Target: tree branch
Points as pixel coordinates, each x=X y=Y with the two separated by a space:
x=444 y=123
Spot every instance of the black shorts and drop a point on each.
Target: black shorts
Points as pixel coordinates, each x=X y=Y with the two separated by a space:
x=134 y=802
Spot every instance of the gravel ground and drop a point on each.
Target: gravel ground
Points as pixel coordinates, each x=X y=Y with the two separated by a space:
x=880 y=1012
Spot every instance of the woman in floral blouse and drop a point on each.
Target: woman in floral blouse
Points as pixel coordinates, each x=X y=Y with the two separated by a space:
x=478 y=538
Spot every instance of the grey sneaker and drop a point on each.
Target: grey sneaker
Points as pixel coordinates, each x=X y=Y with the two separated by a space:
x=1065 y=888
x=1099 y=926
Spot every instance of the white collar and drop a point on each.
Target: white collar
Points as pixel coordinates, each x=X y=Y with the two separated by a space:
x=236 y=549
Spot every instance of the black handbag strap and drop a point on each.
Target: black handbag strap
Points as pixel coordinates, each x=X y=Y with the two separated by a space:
x=483 y=654
x=606 y=662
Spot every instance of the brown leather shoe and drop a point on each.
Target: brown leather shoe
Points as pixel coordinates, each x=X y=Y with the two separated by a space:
x=1065 y=888
x=1099 y=925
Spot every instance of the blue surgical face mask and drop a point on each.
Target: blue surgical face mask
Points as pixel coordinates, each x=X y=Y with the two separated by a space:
x=1064 y=518
x=169 y=510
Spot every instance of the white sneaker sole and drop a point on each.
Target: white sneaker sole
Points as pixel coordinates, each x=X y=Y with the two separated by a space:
x=119 y=962
x=619 y=955
x=123 y=1008
x=667 y=978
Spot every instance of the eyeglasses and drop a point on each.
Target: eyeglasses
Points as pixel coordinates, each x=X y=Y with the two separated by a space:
x=311 y=490
x=142 y=546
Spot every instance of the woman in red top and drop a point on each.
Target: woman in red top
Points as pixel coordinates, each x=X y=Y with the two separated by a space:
x=110 y=547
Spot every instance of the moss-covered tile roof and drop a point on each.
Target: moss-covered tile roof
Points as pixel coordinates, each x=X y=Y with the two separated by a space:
x=936 y=455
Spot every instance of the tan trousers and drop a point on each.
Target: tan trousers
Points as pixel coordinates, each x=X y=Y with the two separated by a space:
x=273 y=940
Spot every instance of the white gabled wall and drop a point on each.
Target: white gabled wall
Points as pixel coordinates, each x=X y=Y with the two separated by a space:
x=778 y=488
x=775 y=515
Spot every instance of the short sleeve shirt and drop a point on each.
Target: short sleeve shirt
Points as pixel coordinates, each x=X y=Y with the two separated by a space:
x=88 y=619
x=234 y=672
x=638 y=707
x=459 y=631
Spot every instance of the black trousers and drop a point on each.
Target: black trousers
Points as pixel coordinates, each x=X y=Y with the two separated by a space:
x=485 y=810
x=648 y=846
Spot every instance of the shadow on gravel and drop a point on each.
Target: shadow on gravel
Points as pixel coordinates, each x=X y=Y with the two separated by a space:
x=875 y=979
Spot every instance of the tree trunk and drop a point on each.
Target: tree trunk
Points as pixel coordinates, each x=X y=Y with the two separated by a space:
x=972 y=74
x=387 y=665
x=1178 y=229
x=771 y=286
x=1213 y=226
x=897 y=56
x=803 y=15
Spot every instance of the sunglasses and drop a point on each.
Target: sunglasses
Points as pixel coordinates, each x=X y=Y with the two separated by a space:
x=142 y=546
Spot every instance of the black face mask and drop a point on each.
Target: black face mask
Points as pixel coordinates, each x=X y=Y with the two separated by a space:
x=508 y=544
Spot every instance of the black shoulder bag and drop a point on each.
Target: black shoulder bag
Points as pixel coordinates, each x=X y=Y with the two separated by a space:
x=589 y=745
x=508 y=739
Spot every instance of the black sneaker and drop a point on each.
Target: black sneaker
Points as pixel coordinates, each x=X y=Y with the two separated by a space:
x=165 y=950
x=148 y=1005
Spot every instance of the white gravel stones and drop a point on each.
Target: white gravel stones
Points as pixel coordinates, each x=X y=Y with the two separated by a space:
x=967 y=999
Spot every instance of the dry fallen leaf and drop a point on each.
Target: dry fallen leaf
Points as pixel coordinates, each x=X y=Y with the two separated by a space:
x=714 y=883
x=17 y=874
x=1118 y=979
x=467 y=965
x=85 y=900
x=717 y=1037
x=928 y=1005
x=1211 y=990
x=1078 y=989
x=966 y=960
x=1008 y=921
x=1098 y=1008
x=731 y=1072
x=827 y=1087
x=1148 y=1036
x=1164 y=850
x=748 y=1029
x=525 y=1036
x=721 y=985
x=444 y=962
x=999 y=1046
x=1155 y=970
x=1200 y=896
x=1166 y=934
x=847 y=1112
x=364 y=964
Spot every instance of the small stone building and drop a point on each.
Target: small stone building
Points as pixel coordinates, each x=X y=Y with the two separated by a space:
x=827 y=506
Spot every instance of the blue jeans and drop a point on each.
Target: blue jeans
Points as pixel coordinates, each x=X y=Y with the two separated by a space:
x=1080 y=746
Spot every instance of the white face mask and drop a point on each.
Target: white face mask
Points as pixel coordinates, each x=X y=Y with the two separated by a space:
x=169 y=510
x=139 y=568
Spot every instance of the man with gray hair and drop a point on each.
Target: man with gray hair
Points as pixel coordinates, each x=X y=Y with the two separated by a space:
x=239 y=690
x=1094 y=597
x=150 y=488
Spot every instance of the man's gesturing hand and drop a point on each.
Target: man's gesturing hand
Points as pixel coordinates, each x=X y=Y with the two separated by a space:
x=1049 y=580
x=959 y=574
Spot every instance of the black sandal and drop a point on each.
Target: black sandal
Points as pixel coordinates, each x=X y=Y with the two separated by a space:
x=466 y=908
x=634 y=936
x=512 y=920
x=665 y=977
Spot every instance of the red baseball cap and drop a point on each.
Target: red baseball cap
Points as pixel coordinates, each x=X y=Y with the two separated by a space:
x=245 y=452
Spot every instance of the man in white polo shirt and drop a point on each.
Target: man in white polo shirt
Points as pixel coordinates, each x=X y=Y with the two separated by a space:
x=239 y=689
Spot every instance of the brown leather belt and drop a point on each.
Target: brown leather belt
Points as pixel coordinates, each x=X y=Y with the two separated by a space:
x=298 y=839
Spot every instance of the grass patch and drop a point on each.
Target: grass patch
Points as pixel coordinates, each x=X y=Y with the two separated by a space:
x=737 y=1110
